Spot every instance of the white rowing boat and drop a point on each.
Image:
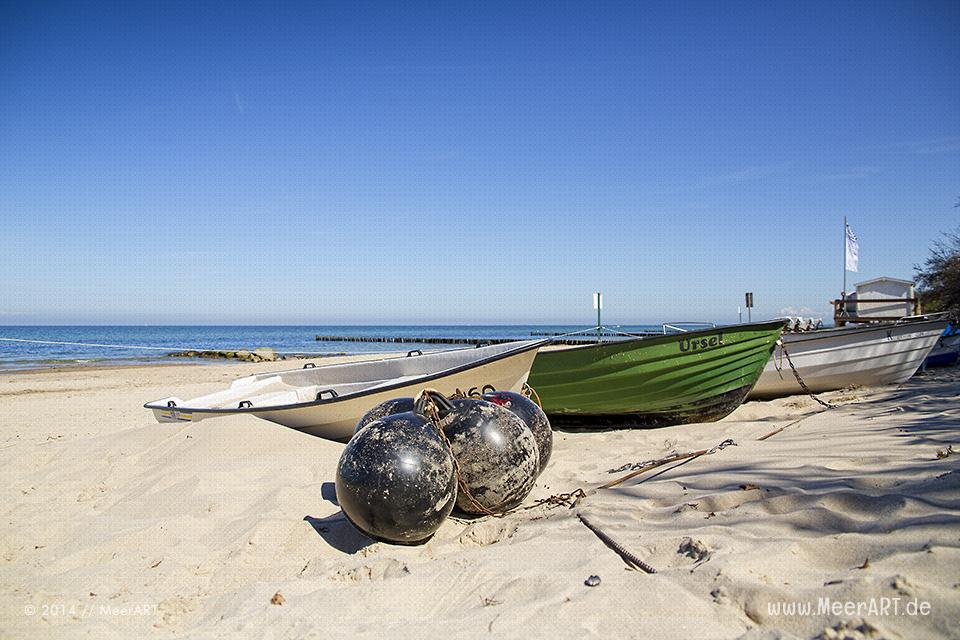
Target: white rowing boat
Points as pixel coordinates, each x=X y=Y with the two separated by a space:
x=328 y=401
x=831 y=359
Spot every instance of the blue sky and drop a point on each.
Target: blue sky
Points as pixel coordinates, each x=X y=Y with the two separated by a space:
x=380 y=163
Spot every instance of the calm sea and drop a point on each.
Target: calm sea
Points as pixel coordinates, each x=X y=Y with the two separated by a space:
x=157 y=341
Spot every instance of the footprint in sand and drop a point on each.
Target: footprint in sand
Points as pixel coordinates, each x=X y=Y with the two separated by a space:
x=383 y=569
x=173 y=610
x=719 y=502
x=483 y=534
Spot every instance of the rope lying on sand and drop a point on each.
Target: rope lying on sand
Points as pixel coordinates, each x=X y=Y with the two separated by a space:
x=788 y=425
x=572 y=499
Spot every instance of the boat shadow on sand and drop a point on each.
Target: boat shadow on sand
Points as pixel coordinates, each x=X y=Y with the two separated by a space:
x=846 y=489
x=335 y=529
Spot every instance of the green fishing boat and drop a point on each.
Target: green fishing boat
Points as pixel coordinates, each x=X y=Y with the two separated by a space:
x=675 y=378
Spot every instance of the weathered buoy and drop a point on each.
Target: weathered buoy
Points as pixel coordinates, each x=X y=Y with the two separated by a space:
x=396 y=480
x=532 y=415
x=384 y=409
x=497 y=454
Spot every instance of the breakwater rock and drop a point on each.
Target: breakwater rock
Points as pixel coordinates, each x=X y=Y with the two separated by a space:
x=261 y=354
x=440 y=340
x=415 y=340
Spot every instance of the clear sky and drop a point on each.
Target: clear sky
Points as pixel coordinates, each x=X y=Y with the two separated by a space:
x=379 y=163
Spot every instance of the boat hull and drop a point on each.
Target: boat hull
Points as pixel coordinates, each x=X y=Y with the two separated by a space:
x=697 y=376
x=945 y=353
x=338 y=421
x=833 y=359
x=336 y=418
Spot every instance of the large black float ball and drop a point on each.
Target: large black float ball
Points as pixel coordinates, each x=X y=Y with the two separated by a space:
x=384 y=409
x=497 y=453
x=532 y=415
x=396 y=479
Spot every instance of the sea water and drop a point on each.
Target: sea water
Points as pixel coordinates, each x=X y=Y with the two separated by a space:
x=144 y=344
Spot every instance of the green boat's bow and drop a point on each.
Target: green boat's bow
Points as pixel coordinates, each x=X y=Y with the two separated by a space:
x=696 y=376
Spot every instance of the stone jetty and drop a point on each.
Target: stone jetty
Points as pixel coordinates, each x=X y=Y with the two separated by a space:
x=438 y=340
x=260 y=354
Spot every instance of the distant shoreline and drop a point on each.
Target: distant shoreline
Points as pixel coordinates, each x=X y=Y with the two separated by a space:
x=40 y=347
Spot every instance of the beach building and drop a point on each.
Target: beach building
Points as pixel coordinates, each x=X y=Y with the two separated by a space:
x=879 y=299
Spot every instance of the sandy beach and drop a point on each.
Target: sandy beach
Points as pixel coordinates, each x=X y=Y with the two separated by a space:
x=116 y=526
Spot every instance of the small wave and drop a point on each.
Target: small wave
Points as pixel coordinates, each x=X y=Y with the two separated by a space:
x=23 y=364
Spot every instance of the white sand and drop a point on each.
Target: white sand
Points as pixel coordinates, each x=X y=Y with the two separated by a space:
x=114 y=525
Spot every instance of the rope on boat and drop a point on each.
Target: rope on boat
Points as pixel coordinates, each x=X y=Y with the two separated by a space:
x=803 y=385
x=620 y=550
x=592 y=330
x=624 y=333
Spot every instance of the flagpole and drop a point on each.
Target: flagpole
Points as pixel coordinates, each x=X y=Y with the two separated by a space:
x=843 y=293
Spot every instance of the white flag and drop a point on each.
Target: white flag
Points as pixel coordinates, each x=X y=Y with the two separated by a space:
x=853 y=250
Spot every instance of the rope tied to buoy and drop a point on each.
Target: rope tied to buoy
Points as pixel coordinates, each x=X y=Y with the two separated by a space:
x=429 y=403
x=532 y=394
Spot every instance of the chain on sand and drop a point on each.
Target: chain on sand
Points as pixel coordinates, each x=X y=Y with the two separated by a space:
x=673 y=457
x=796 y=374
x=427 y=403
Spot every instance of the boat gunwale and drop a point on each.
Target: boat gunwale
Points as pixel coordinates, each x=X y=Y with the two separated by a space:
x=767 y=325
x=359 y=394
x=834 y=332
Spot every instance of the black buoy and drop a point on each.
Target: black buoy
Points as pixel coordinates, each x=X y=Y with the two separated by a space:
x=396 y=479
x=532 y=415
x=384 y=409
x=497 y=454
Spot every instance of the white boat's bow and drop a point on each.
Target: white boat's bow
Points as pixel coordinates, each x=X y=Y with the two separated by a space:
x=327 y=401
x=830 y=359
